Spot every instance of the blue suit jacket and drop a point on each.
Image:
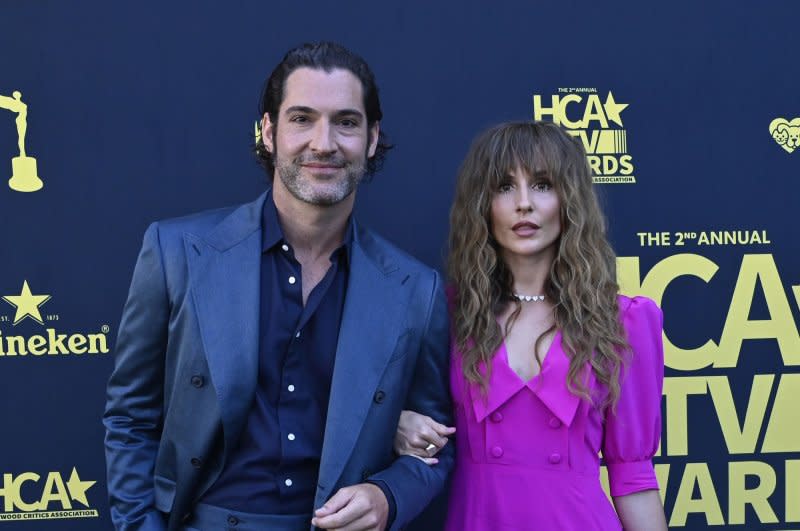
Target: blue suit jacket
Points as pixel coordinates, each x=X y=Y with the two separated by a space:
x=186 y=367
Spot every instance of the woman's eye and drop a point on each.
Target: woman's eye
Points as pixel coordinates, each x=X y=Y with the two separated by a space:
x=542 y=186
x=505 y=187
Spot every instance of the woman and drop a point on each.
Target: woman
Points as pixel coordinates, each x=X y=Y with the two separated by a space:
x=550 y=365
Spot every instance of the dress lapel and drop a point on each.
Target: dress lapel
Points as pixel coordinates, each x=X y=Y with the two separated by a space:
x=503 y=384
x=550 y=385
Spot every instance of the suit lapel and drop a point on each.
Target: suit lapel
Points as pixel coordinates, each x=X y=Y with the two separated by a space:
x=224 y=269
x=371 y=324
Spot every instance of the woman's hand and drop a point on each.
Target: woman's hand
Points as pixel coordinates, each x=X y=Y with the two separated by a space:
x=420 y=436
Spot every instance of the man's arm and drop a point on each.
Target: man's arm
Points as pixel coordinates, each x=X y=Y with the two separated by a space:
x=134 y=407
x=412 y=482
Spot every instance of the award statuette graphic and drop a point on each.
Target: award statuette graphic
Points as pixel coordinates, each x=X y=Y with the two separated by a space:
x=23 y=168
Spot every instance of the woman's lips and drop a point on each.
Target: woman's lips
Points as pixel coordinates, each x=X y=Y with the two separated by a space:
x=525 y=228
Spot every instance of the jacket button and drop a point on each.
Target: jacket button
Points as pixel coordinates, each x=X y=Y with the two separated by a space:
x=555 y=423
x=196 y=462
x=496 y=416
x=497 y=451
x=197 y=380
x=555 y=458
x=379 y=396
x=232 y=520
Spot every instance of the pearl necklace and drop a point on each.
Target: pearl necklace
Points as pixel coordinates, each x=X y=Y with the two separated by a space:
x=528 y=298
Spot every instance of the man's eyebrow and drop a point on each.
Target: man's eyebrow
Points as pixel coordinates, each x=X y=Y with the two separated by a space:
x=309 y=110
x=350 y=112
x=299 y=108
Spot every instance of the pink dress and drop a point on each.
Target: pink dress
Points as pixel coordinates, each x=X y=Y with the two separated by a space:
x=527 y=457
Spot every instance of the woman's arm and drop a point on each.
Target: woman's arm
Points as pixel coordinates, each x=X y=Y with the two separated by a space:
x=641 y=511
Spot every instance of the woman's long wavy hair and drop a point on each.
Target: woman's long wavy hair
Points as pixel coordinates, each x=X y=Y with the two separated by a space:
x=582 y=280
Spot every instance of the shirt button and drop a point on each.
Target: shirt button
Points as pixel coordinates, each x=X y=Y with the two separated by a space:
x=496 y=416
x=555 y=458
x=290 y=388
x=379 y=396
x=497 y=451
x=197 y=381
x=288 y=482
x=297 y=334
x=292 y=280
x=555 y=423
x=285 y=247
x=290 y=436
x=232 y=520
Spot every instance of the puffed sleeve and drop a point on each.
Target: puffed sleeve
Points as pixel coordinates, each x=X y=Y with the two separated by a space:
x=632 y=433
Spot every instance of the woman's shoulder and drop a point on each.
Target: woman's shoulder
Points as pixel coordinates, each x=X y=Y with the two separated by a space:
x=641 y=317
x=451 y=292
x=637 y=305
x=639 y=313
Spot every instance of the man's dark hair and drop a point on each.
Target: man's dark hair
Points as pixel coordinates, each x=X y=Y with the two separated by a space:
x=325 y=56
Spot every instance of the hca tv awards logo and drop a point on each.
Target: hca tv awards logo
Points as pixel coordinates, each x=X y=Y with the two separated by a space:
x=24 y=176
x=32 y=496
x=597 y=121
x=28 y=306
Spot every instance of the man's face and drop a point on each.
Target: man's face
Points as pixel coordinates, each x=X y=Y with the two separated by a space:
x=320 y=142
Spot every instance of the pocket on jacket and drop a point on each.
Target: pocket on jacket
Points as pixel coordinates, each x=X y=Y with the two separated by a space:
x=164 y=493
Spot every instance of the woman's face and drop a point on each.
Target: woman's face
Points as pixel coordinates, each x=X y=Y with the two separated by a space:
x=526 y=216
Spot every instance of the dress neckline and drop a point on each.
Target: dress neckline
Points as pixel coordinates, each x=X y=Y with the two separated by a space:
x=507 y=362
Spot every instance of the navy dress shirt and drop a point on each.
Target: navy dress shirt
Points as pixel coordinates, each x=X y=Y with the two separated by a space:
x=274 y=468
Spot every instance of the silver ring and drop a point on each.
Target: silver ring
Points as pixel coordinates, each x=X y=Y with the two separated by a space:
x=430 y=447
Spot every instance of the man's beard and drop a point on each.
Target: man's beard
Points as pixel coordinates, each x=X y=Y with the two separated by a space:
x=320 y=192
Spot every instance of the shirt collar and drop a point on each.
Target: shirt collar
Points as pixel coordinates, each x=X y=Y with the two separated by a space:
x=272 y=234
x=550 y=385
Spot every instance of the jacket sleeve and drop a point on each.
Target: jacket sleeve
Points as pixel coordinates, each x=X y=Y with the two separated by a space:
x=135 y=397
x=414 y=484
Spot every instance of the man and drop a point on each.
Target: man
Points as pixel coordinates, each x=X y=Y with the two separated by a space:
x=266 y=351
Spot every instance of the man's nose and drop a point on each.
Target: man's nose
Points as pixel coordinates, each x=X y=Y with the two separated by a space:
x=322 y=140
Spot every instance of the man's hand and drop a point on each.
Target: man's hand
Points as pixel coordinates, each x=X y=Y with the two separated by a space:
x=360 y=507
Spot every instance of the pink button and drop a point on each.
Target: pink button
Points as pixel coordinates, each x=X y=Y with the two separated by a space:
x=496 y=416
x=555 y=458
x=555 y=423
x=497 y=451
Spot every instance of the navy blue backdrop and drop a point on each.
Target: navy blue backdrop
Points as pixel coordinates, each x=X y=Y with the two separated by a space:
x=141 y=111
